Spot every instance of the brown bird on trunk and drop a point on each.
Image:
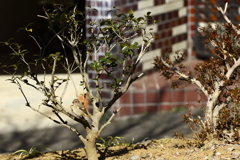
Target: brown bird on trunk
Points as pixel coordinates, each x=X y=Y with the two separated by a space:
x=79 y=109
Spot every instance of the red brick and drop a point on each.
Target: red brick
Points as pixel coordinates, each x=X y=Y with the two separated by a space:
x=169 y=33
x=201 y=96
x=152 y=109
x=194 y=54
x=158 y=2
x=152 y=97
x=192 y=10
x=163 y=17
x=167 y=42
x=153 y=46
x=104 y=76
x=174 y=22
x=163 y=34
x=138 y=98
x=191 y=2
x=167 y=25
x=192 y=95
x=192 y=19
x=160 y=44
x=160 y=27
x=99 y=4
x=165 y=96
x=177 y=38
x=125 y=111
x=88 y=3
x=183 y=37
x=139 y=68
x=125 y=98
x=124 y=1
x=174 y=40
x=106 y=94
x=138 y=109
x=165 y=107
x=184 y=20
x=178 y=96
x=191 y=87
x=134 y=7
x=138 y=85
x=150 y=84
x=117 y=3
x=193 y=27
x=214 y=1
x=156 y=17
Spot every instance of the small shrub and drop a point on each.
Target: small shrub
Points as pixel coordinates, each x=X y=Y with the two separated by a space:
x=106 y=35
x=35 y=151
x=217 y=78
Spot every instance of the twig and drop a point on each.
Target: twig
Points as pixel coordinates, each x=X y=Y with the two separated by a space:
x=109 y=120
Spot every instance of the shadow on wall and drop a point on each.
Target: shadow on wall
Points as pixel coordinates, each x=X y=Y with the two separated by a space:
x=154 y=126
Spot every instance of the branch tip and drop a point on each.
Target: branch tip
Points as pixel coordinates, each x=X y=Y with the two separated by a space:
x=140 y=75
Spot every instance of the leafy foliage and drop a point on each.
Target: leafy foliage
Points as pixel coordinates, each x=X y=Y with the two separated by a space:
x=107 y=35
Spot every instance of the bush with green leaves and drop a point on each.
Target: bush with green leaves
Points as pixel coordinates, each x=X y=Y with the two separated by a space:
x=106 y=34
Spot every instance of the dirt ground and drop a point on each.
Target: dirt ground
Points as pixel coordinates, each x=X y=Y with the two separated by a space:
x=162 y=149
x=158 y=127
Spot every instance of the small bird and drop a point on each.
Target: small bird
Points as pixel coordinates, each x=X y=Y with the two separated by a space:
x=79 y=109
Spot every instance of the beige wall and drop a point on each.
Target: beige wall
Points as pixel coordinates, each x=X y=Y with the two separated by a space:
x=15 y=116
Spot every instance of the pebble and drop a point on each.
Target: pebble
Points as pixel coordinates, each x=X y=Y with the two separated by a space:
x=134 y=158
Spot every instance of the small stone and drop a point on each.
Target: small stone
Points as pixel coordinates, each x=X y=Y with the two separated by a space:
x=217 y=153
x=236 y=154
x=134 y=158
x=177 y=153
x=230 y=149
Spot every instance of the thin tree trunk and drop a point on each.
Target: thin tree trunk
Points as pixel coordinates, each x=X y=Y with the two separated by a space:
x=209 y=112
x=212 y=111
x=90 y=145
x=91 y=150
x=215 y=115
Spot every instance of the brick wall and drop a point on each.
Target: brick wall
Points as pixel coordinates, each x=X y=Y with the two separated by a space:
x=103 y=6
x=177 y=30
x=172 y=30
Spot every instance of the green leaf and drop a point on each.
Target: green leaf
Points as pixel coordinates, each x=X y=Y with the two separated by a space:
x=125 y=49
x=92 y=65
x=157 y=21
x=107 y=54
x=29 y=30
x=140 y=18
x=134 y=45
x=130 y=11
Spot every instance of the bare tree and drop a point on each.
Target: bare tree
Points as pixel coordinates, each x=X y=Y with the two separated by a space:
x=216 y=78
x=119 y=31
